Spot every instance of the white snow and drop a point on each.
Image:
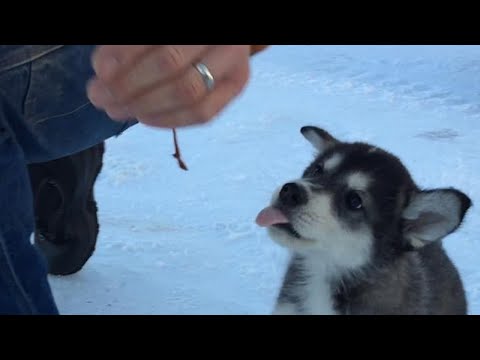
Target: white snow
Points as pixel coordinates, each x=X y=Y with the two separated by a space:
x=175 y=242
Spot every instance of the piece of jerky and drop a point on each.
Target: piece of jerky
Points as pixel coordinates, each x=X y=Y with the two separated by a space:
x=177 y=154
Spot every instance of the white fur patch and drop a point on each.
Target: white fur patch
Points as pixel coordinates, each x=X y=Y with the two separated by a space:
x=358 y=181
x=333 y=162
x=416 y=243
x=342 y=247
x=317 y=294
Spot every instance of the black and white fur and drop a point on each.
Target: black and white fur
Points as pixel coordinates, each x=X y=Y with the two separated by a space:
x=364 y=239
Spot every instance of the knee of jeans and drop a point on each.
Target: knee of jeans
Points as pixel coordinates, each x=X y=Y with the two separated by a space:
x=59 y=120
x=59 y=137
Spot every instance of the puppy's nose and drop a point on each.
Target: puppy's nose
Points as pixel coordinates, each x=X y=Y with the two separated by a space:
x=292 y=195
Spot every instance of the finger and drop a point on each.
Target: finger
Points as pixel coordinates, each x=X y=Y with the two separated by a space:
x=206 y=110
x=108 y=60
x=161 y=64
x=119 y=113
x=189 y=88
x=99 y=95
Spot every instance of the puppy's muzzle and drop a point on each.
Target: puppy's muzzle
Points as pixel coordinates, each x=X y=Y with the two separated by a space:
x=292 y=195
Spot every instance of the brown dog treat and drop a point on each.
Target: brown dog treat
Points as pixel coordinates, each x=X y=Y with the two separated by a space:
x=177 y=154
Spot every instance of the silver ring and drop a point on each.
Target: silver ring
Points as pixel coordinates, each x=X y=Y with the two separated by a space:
x=206 y=75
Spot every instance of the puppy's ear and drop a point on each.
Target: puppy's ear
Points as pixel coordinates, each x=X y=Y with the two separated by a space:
x=319 y=138
x=433 y=214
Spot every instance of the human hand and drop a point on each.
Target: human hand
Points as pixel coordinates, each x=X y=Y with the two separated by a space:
x=159 y=85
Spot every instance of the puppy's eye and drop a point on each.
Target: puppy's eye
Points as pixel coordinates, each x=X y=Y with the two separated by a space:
x=318 y=169
x=353 y=201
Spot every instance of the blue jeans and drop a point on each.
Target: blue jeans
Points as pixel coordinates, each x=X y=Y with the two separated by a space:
x=44 y=115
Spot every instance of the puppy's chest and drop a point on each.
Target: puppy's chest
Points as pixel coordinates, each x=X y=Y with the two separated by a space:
x=318 y=298
x=317 y=293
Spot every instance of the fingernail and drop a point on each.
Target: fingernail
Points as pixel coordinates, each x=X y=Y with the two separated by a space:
x=99 y=95
x=106 y=67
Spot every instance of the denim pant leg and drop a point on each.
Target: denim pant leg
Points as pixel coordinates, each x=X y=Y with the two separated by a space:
x=24 y=287
x=44 y=115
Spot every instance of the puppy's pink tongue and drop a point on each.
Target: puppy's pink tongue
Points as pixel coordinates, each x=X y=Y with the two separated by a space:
x=271 y=216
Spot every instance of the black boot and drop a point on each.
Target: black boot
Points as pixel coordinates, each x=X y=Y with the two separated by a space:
x=65 y=209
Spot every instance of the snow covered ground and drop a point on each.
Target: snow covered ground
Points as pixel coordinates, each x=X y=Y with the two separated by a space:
x=175 y=242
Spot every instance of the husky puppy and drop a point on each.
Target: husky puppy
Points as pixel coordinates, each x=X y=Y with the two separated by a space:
x=363 y=237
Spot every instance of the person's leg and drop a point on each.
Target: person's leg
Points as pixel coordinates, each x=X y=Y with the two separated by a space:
x=44 y=115
x=66 y=220
x=24 y=287
x=58 y=120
